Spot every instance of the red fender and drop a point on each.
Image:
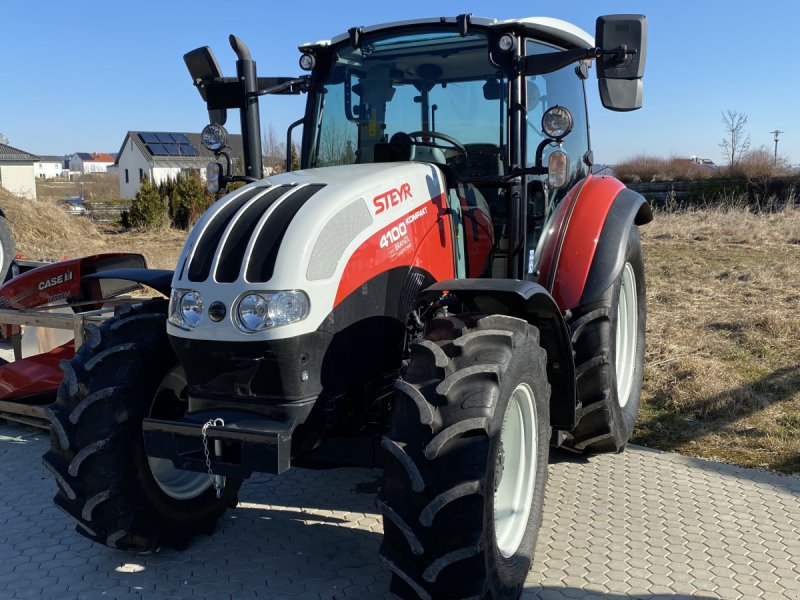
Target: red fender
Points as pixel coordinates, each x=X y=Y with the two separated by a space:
x=574 y=232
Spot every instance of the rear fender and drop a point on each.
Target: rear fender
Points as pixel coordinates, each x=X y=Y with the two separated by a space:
x=588 y=253
x=529 y=301
x=629 y=208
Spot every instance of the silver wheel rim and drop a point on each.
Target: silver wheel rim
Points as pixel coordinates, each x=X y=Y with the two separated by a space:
x=176 y=483
x=627 y=325
x=514 y=492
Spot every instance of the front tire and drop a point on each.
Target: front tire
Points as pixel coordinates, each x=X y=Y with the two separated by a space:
x=466 y=461
x=123 y=373
x=608 y=337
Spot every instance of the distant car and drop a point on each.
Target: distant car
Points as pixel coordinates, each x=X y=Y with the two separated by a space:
x=75 y=206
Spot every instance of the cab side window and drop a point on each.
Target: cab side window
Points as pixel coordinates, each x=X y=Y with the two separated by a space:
x=563 y=88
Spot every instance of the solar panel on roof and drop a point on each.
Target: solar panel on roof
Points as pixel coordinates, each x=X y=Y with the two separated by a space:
x=157 y=149
x=165 y=138
x=148 y=137
x=172 y=149
x=180 y=138
x=188 y=150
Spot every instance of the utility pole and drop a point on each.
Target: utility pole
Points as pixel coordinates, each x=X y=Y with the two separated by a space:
x=776 y=133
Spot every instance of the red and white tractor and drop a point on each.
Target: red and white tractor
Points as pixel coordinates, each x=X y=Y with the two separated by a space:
x=443 y=289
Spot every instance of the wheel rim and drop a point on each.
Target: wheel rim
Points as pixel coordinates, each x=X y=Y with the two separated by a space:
x=626 y=338
x=175 y=483
x=514 y=490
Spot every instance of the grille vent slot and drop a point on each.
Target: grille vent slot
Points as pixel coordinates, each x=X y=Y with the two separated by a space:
x=265 y=250
x=200 y=267
x=232 y=253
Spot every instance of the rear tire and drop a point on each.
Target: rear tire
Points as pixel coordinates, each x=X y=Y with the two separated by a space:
x=123 y=373
x=466 y=461
x=608 y=337
x=7 y=248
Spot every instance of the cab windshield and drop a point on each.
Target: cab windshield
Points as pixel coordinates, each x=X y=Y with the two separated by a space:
x=433 y=97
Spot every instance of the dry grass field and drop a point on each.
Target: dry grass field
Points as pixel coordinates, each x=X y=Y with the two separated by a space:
x=722 y=376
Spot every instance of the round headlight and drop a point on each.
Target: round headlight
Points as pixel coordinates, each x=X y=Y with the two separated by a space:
x=253 y=313
x=191 y=308
x=214 y=137
x=288 y=307
x=557 y=122
x=307 y=62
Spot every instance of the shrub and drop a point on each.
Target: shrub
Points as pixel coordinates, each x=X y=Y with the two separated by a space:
x=147 y=209
x=187 y=200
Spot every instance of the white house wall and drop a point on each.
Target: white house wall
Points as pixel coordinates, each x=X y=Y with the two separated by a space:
x=162 y=174
x=48 y=170
x=18 y=179
x=131 y=162
x=96 y=167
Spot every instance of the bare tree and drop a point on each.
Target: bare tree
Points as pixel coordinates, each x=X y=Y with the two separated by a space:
x=736 y=142
x=274 y=151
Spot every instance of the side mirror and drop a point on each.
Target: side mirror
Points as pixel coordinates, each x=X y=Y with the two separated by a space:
x=622 y=40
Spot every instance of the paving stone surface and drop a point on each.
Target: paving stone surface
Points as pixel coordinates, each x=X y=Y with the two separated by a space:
x=643 y=524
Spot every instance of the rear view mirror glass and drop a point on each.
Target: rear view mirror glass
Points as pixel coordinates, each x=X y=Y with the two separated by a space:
x=620 y=68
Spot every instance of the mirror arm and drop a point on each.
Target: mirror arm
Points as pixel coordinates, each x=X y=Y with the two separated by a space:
x=541 y=64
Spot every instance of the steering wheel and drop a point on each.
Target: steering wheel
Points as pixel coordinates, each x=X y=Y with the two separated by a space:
x=437 y=135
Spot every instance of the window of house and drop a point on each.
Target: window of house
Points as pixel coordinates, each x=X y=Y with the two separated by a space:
x=127 y=179
x=141 y=175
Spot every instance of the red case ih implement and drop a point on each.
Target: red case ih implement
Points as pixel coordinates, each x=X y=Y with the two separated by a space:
x=55 y=302
x=442 y=289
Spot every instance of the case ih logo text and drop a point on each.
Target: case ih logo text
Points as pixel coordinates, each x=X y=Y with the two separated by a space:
x=47 y=283
x=392 y=198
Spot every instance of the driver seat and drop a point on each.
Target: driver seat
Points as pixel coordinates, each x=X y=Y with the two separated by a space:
x=427 y=154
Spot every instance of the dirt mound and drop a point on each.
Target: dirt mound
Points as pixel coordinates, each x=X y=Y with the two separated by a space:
x=43 y=231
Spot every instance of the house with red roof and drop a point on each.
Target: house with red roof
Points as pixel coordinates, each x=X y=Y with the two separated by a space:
x=90 y=162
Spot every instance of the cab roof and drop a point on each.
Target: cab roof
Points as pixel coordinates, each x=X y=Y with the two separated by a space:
x=547 y=29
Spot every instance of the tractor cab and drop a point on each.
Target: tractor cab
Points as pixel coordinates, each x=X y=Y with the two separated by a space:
x=500 y=107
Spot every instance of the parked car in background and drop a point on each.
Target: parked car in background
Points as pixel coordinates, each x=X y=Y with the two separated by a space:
x=75 y=206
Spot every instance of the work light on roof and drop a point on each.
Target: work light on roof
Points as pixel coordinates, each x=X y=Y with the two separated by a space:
x=214 y=137
x=307 y=62
x=506 y=42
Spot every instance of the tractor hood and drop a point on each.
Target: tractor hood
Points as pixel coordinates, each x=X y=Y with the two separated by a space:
x=301 y=231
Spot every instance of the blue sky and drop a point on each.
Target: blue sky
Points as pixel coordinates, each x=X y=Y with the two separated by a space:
x=77 y=77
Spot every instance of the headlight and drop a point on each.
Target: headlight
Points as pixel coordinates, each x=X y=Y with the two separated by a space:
x=288 y=307
x=557 y=122
x=185 y=308
x=257 y=311
x=252 y=313
x=214 y=137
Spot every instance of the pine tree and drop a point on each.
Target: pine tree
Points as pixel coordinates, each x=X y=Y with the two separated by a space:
x=147 y=208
